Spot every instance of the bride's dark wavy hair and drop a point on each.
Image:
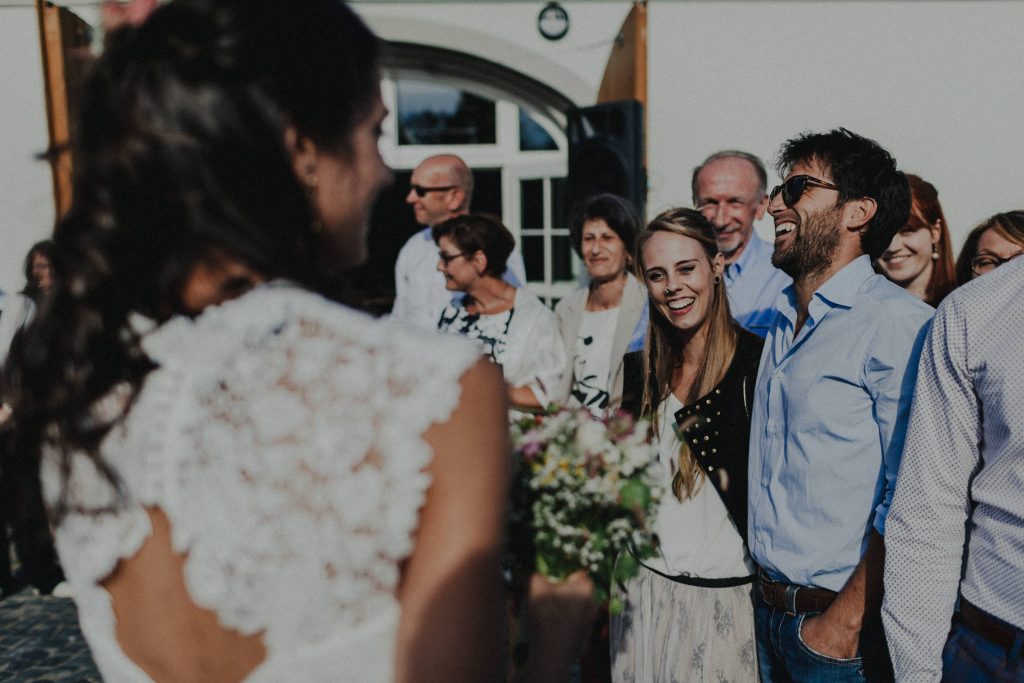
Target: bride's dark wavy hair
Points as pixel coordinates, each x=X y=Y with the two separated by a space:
x=181 y=155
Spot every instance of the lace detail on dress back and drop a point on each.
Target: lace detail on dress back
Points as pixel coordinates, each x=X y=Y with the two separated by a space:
x=282 y=437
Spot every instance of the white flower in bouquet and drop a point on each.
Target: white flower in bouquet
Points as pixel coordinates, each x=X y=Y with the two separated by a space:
x=586 y=492
x=591 y=436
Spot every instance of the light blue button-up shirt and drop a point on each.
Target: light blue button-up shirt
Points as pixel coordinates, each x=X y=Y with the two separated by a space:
x=753 y=284
x=827 y=429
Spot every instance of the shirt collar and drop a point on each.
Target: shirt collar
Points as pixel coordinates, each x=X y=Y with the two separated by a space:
x=839 y=290
x=755 y=244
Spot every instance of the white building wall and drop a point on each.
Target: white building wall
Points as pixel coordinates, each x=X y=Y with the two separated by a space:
x=27 y=209
x=506 y=33
x=26 y=185
x=938 y=84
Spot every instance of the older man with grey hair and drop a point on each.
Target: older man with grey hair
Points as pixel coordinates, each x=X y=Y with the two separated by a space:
x=729 y=188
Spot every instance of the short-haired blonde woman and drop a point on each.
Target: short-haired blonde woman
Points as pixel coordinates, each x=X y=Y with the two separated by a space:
x=689 y=613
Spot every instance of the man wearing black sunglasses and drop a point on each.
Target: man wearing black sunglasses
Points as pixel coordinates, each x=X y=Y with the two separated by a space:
x=441 y=187
x=830 y=411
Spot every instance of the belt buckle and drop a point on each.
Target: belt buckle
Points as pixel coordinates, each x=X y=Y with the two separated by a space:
x=790 y=599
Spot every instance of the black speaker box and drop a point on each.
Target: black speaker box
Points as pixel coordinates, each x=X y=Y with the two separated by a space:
x=606 y=152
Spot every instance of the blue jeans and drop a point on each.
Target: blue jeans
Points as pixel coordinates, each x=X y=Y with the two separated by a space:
x=785 y=658
x=971 y=658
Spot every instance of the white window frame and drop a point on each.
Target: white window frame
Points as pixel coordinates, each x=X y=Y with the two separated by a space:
x=503 y=154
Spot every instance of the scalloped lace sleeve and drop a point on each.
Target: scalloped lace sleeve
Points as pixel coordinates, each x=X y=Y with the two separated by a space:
x=282 y=437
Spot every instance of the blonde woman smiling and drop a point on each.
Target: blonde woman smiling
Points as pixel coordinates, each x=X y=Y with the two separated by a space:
x=689 y=614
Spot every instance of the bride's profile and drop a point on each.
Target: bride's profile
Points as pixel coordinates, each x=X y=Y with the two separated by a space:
x=248 y=480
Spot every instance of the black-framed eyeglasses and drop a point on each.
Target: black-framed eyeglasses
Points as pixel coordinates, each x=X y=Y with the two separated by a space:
x=422 y=191
x=794 y=187
x=446 y=259
x=985 y=263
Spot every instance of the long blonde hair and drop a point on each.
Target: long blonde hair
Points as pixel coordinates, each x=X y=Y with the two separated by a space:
x=663 y=350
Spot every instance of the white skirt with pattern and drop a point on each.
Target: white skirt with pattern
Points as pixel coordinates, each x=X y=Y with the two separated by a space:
x=671 y=632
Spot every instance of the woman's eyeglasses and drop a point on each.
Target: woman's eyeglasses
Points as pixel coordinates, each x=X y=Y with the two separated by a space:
x=794 y=187
x=422 y=191
x=446 y=259
x=983 y=264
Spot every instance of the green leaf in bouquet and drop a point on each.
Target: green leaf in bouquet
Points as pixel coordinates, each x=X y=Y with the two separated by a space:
x=542 y=566
x=615 y=605
x=635 y=496
x=626 y=567
x=600 y=591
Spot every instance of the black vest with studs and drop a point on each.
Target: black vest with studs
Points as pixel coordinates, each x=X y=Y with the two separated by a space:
x=716 y=426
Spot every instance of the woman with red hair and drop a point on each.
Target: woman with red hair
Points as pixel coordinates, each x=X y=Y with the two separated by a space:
x=920 y=256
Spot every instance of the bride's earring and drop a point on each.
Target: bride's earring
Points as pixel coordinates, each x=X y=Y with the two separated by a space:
x=310 y=181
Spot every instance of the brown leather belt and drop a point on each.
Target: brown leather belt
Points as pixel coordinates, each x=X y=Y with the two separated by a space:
x=794 y=599
x=987 y=626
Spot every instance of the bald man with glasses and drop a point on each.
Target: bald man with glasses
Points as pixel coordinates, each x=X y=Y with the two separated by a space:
x=441 y=187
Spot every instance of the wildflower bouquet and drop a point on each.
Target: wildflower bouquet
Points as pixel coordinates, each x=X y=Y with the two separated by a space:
x=586 y=490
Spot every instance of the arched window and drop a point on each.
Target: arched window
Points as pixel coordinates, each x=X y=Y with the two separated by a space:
x=516 y=148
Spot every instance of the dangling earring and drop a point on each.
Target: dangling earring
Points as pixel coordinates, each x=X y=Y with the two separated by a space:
x=718 y=279
x=311 y=181
x=935 y=252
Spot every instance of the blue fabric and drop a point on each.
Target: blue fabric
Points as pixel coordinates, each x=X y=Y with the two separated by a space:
x=636 y=342
x=753 y=284
x=784 y=658
x=969 y=657
x=830 y=412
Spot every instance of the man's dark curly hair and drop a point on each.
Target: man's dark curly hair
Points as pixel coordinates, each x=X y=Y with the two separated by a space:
x=860 y=168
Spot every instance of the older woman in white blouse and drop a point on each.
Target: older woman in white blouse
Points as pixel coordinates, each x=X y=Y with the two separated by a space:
x=603 y=321
x=516 y=330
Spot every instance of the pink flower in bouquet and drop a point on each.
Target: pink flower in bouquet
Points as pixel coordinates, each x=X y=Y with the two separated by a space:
x=532 y=444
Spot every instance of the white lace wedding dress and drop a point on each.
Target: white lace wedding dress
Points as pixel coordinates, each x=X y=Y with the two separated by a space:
x=281 y=435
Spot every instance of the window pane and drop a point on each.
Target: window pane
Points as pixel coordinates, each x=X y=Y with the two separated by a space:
x=487 y=191
x=532 y=136
x=561 y=258
x=531 y=197
x=433 y=114
x=533 y=257
x=559 y=211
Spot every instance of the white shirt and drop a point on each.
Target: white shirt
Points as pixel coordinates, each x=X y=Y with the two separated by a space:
x=420 y=292
x=524 y=341
x=591 y=373
x=697 y=536
x=963 y=463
